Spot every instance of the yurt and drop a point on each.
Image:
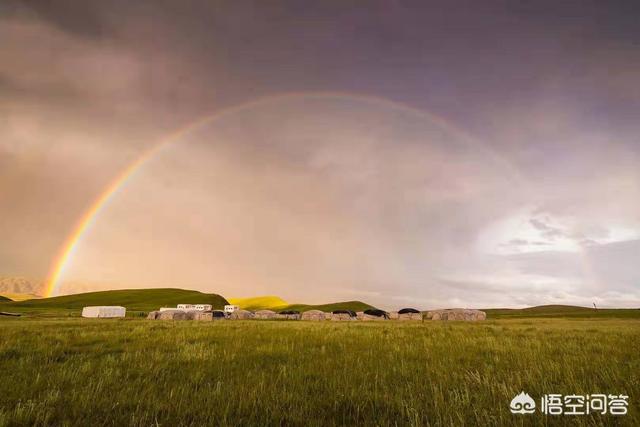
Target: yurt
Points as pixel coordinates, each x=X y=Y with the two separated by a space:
x=313 y=315
x=241 y=315
x=409 y=314
x=375 y=314
x=266 y=314
x=203 y=316
x=104 y=311
x=457 y=314
x=343 y=315
x=289 y=315
x=172 y=315
x=153 y=315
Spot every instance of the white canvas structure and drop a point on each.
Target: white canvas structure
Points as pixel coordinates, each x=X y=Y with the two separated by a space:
x=316 y=315
x=104 y=311
x=231 y=308
x=265 y=314
x=196 y=307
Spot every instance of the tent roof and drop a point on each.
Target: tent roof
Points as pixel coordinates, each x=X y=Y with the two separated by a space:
x=349 y=312
x=408 y=310
x=376 y=312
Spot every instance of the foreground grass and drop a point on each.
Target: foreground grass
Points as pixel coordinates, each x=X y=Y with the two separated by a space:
x=136 y=372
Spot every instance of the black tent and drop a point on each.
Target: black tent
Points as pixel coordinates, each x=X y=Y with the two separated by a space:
x=218 y=314
x=289 y=312
x=408 y=310
x=349 y=312
x=377 y=313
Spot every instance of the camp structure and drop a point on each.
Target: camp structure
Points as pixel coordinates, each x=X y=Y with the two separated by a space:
x=265 y=314
x=171 y=315
x=196 y=307
x=314 y=315
x=218 y=315
x=104 y=311
x=230 y=308
x=409 y=314
x=203 y=316
x=457 y=314
x=289 y=315
x=343 y=315
x=375 y=314
x=241 y=315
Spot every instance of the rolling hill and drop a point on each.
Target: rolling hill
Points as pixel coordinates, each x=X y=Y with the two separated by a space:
x=561 y=311
x=4 y=299
x=132 y=299
x=278 y=304
x=259 y=303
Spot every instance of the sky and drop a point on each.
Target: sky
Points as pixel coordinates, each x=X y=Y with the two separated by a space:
x=430 y=154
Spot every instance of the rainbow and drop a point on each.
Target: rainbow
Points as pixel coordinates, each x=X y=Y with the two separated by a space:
x=52 y=285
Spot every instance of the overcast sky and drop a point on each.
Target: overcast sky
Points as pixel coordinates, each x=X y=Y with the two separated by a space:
x=430 y=154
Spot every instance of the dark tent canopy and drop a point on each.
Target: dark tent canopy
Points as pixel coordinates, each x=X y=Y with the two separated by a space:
x=349 y=312
x=408 y=310
x=290 y=312
x=217 y=314
x=377 y=313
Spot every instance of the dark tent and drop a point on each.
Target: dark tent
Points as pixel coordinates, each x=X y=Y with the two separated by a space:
x=349 y=312
x=289 y=312
x=218 y=314
x=377 y=313
x=408 y=310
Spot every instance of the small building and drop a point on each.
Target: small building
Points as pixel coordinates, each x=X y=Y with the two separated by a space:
x=343 y=315
x=230 y=308
x=104 y=311
x=409 y=314
x=316 y=315
x=265 y=314
x=195 y=307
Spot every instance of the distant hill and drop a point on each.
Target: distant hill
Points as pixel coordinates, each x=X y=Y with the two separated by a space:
x=278 y=304
x=19 y=297
x=20 y=285
x=3 y=298
x=132 y=299
x=343 y=305
x=259 y=303
x=566 y=311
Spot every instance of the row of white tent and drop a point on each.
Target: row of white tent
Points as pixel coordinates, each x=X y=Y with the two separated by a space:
x=205 y=312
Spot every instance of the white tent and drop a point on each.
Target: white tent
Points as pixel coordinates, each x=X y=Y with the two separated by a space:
x=104 y=311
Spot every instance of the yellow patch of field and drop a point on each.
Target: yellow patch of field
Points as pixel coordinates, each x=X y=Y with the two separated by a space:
x=258 y=303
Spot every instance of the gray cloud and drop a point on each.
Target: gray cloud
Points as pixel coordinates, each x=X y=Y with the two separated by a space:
x=307 y=196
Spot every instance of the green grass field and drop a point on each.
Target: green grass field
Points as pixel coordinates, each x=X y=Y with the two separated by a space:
x=137 y=372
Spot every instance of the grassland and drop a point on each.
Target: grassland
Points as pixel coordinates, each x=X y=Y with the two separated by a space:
x=564 y=312
x=140 y=301
x=137 y=372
